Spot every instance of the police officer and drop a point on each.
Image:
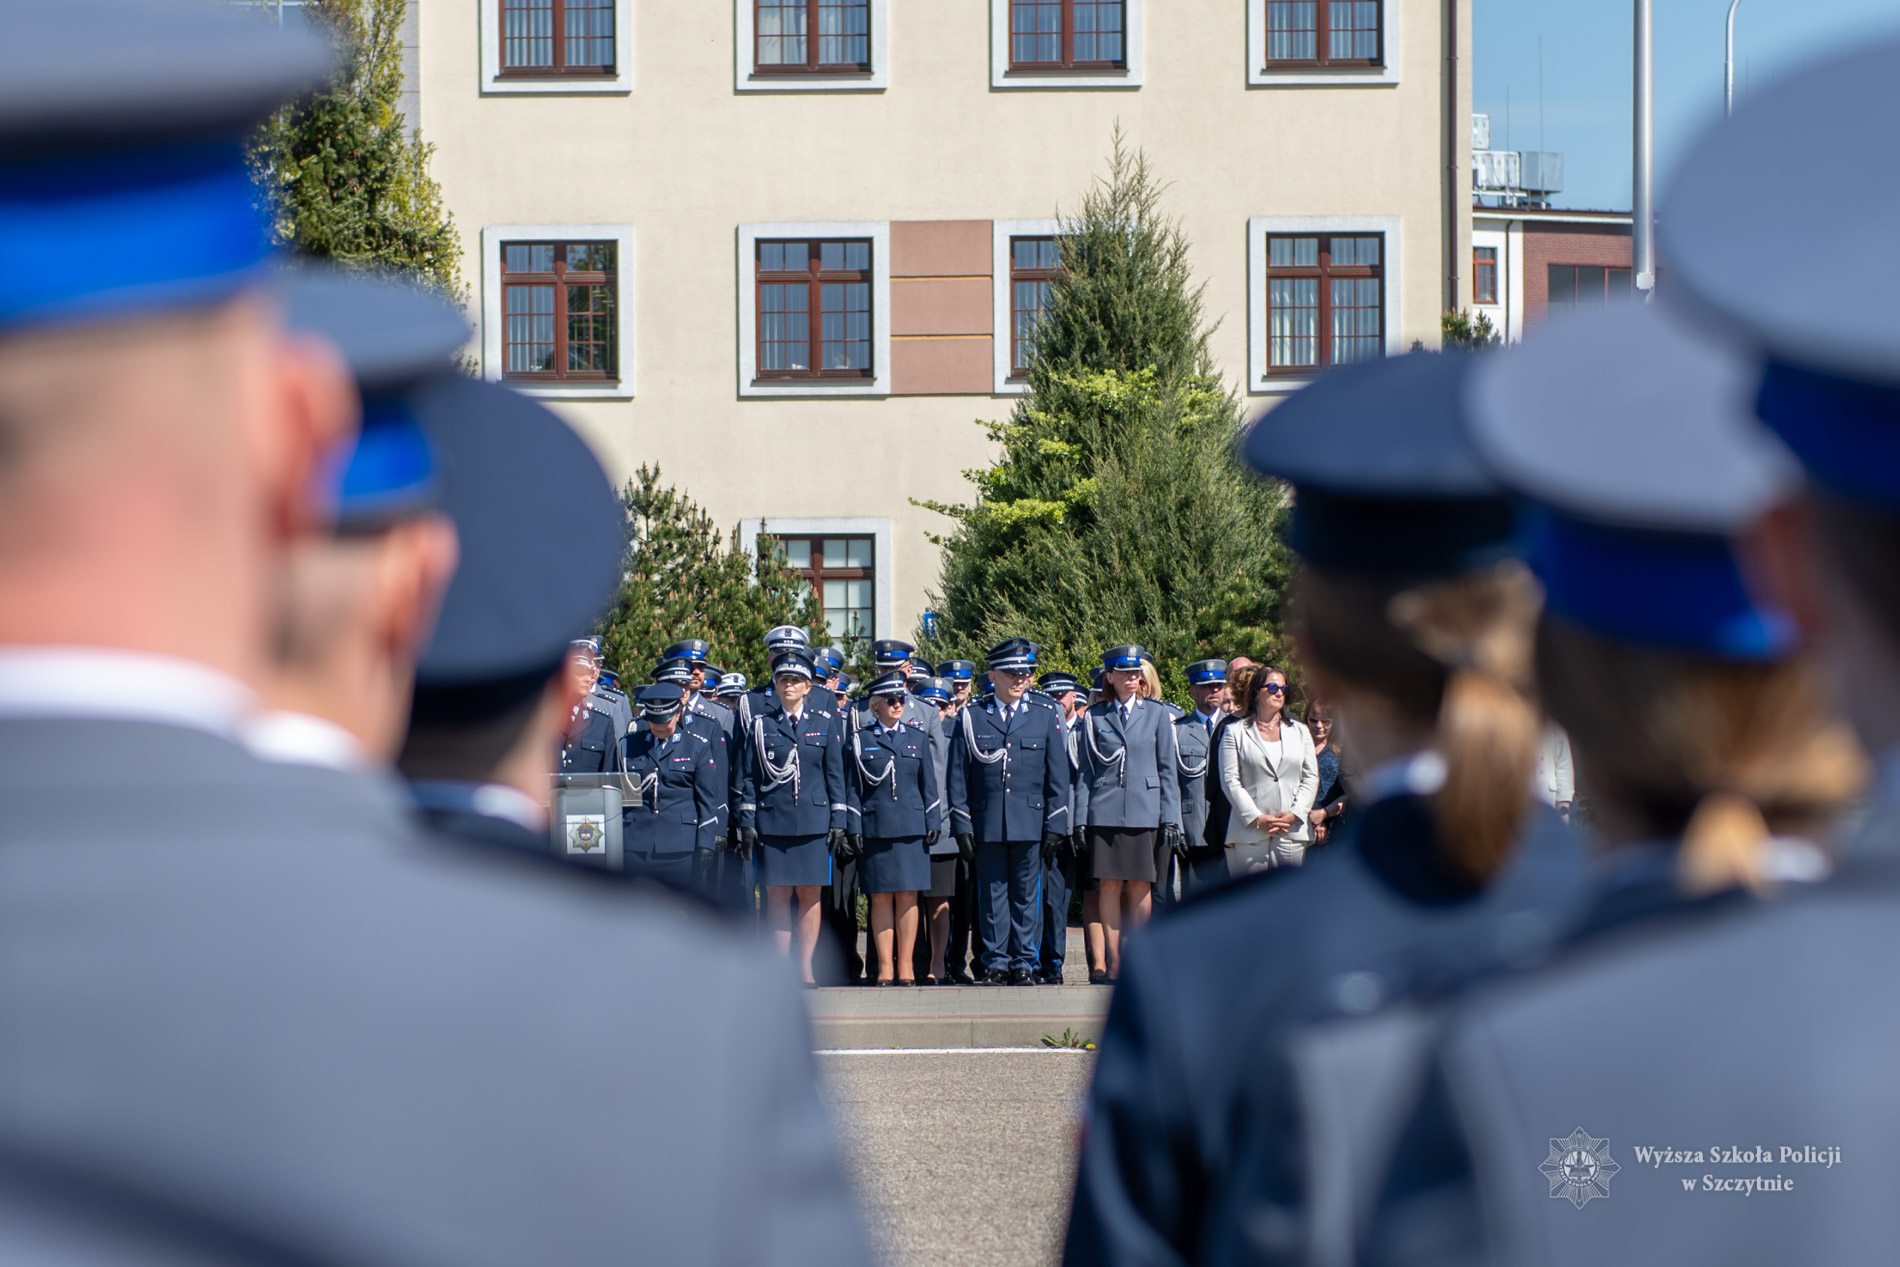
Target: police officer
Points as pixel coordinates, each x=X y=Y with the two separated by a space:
x=607 y=691
x=794 y=805
x=960 y=674
x=1059 y=869
x=675 y=790
x=778 y=639
x=1203 y=866
x=899 y=815
x=592 y=741
x=842 y=690
x=1412 y=614
x=1128 y=796
x=731 y=687
x=1009 y=808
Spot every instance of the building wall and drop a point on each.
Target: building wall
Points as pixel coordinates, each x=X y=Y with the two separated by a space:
x=1546 y=244
x=685 y=156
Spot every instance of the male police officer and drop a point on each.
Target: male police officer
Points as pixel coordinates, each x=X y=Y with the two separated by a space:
x=1059 y=868
x=1203 y=866
x=675 y=788
x=1009 y=808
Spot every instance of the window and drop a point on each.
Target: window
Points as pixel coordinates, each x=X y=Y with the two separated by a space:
x=1484 y=274
x=812 y=36
x=1066 y=34
x=842 y=572
x=1323 y=33
x=1033 y=265
x=558 y=309
x=827 y=279
x=543 y=38
x=1574 y=286
x=1325 y=300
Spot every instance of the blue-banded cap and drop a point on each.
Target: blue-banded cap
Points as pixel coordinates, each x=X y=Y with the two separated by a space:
x=1056 y=682
x=780 y=637
x=920 y=669
x=692 y=649
x=710 y=673
x=541 y=530
x=792 y=663
x=609 y=678
x=1206 y=672
x=1385 y=482
x=826 y=661
x=845 y=684
x=1731 y=224
x=984 y=686
x=660 y=701
x=1096 y=677
x=937 y=690
x=1126 y=657
x=1013 y=655
x=957 y=670
x=678 y=671
x=123 y=182
x=1628 y=435
x=731 y=684
x=887 y=651
x=893 y=683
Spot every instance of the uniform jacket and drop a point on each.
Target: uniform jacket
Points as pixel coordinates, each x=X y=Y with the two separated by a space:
x=1192 y=750
x=814 y=802
x=612 y=701
x=924 y=716
x=1009 y=782
x=898 y=806
x=594 y=747
x=1141 y=790
x=674 y=790
x=1191 y=1141
x=707 y=728
x=714 y=711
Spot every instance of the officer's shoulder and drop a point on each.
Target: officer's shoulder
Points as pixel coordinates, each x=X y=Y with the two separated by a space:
x=611 y=692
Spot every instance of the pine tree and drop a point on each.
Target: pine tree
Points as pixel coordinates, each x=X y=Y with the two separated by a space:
x=1117 y=511
x=343 y=178
x=684 y=580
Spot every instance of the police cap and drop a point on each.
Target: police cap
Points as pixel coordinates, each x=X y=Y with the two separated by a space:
x=887 y=684
x=693 y=649
x=1206 y=672
x=779 y=637
x=677 y=671
x=1058 y=683
x=660 y=701
x=731 y=684
x=1127 y=657
x=1013 y=655
x=957 y=670
x=793 y=663
x=937 y=690
x=891 y=651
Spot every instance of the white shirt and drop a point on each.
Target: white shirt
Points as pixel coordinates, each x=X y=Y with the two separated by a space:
x=303 y=739
x=117 y=685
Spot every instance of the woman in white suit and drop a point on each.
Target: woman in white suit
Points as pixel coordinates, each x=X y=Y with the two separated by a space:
x=1271 y=775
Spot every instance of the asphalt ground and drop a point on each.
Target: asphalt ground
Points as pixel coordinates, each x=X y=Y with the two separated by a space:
x=963 y=1157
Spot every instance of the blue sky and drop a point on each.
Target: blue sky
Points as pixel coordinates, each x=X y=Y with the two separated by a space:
x=1586 y=91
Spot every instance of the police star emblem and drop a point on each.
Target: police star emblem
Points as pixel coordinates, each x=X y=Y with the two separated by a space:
x=1579 y=1168
x=586 y=833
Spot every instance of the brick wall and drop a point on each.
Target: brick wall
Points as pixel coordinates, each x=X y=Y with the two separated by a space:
x=1546 y=244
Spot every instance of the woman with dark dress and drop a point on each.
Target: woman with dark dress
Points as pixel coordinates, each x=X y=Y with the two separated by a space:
x=894 y=794
x=1330 y=803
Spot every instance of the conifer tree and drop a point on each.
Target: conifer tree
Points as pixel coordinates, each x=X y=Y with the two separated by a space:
x=1116 y=511
x=685 y=580
x=343 y=178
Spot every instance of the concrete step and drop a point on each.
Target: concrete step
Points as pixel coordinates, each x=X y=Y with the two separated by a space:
x=958 y=1016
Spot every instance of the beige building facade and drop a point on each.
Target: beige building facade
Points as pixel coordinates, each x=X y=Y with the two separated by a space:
x=779 y=247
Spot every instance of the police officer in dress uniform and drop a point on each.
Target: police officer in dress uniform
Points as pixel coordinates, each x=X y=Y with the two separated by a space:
x=619 y=705
x=794 y=807
x=898 y=813
x=960 y=674
x=592 y=742
x=674 y=791
x=1009 y=809
x=1394 y=520
x=1203 y=866
x=172 y=932
x=1059 y=869
x=1770 y=1004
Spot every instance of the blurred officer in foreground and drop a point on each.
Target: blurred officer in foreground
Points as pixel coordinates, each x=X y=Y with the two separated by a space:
x=674 y=791
x=1412 y=615
x=1009 y=808
x=1203 y=866
x=1709 y=745
x=255 y=1001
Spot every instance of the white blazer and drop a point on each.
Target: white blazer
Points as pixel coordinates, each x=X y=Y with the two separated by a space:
x=1256 y=785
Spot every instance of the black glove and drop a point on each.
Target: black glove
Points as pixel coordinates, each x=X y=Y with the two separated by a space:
x=1173 y=839
x=854 y=846
x=721 y=844
x=966 y=845
x=835 y=844
x=748 y=843
x=1051 y=842
x=1079 y=843
x=931 y=837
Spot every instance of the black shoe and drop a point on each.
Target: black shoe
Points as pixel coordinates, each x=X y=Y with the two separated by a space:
x=1097 y=977
x=931 y=981
x=960 y=976
x=999 y=977
x=887 y=983
x=1049 y=978
x=903 y=982
x=1022 y=976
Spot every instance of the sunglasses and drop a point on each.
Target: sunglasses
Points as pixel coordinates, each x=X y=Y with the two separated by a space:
x=1274 y=688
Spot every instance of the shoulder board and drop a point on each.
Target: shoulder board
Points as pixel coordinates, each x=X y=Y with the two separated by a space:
x=611 y=692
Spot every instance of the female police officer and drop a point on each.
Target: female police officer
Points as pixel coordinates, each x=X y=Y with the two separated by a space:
x=793 y=802
x=673 y=787
x=894 y=790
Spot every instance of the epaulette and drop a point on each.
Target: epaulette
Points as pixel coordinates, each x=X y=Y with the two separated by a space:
x=1037 y=697
x=609 y=691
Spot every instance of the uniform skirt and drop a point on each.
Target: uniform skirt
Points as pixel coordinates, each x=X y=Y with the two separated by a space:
x=894 y=865
x=791 y=861
x=1119 y=853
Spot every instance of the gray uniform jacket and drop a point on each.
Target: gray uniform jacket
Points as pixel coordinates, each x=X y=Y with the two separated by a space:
x=1128 y=776
x=614 y=702
x=251 y=989
x=1192 y=763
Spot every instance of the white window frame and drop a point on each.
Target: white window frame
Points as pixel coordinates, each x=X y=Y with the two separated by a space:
x=621 y=235
x=1258 y=227
x=1000 y=76
x=1002 y=329
x=882 y=554
x=493 y=82
x=879 y=231
x=747 y=79
x=1258 y=76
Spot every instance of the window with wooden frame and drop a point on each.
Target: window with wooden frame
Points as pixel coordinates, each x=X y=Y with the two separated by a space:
x=1484 y=274
x=841 y=571
x=1574 y=286
x=1343 y=33
x=1033 y=266
x=1325 y=300
x=798 y=37
x=557 y=38
x=814 y=309
x=1058 y=35
x=560 y=311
